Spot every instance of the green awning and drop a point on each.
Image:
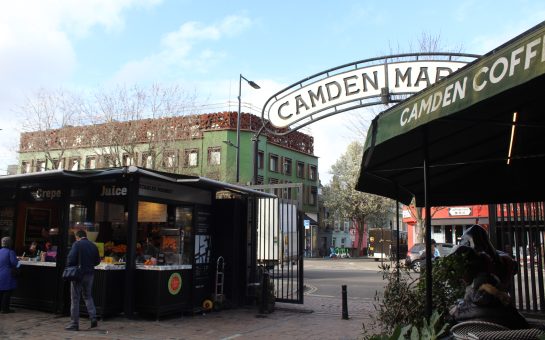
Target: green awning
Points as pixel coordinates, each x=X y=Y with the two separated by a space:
x=464 y=124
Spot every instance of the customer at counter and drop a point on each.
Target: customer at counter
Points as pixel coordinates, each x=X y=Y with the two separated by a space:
x=85 y=254
x=32 y=250
x=8 y=283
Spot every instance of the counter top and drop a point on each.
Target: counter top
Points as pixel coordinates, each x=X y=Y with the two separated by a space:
x=37 y=263
x=167 y=267
x=110 y=266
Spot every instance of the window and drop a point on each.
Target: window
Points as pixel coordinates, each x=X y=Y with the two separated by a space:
x=40 y=165
x=214 y=156
x=287 y=166
x=191 y=158
x=127 y=160
x=312 y=197
x=260 y=157
x=169 y=159
x=108 y=160
x=91 y=162
x=333 y=241
x=25 y=167
x=346 y=226
x=73 y=163
x=147 y=160
x=313 y=173
x=273 y=163
x=300 y=169
x=57 y=164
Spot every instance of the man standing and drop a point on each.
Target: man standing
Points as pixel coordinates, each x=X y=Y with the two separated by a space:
x=86 y=254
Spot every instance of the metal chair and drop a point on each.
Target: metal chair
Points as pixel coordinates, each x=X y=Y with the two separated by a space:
x=461 y=330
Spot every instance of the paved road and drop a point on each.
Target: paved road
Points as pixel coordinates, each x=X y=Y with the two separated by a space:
x=318 y=318
x=325 y=279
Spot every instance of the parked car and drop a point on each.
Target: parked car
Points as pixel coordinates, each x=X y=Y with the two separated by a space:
x=417 y=254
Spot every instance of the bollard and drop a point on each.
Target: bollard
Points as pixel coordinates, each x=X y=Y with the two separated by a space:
x=345 y=303
x=263 y=308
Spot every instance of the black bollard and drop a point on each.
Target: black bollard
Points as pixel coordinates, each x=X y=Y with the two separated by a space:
x=263 y=308
x=345 y=303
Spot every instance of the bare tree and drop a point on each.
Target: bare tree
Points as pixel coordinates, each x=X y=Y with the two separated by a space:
x=122 y=126
x=48 y=120
x=425 y=43
x=138 y=122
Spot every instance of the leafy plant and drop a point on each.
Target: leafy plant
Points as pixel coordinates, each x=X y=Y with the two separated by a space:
x=431 y=330
x=400 y=307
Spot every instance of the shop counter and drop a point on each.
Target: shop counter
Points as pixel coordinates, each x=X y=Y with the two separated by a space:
x=162 y=290
x=37 y=286
x=108 y=287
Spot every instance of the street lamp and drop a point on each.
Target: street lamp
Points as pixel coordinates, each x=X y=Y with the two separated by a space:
x=255 y=86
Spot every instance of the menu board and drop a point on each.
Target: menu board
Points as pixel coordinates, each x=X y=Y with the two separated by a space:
x=152 y=212
x=36 y=220
x=203 y=249
x=202 y=222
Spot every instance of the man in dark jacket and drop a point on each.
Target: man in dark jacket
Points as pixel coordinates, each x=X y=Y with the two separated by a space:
x=86 y=254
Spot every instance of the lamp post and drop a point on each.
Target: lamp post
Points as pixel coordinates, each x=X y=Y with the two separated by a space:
x=255 y=86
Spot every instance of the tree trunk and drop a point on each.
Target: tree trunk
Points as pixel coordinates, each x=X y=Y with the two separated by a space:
x=361 y=232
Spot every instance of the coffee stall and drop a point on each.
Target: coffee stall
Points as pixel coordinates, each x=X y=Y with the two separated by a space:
x=154 y=231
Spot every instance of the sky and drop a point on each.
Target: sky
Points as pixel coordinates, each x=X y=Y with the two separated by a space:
x=203 y=46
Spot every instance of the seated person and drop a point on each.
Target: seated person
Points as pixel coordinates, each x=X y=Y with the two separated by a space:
x=50 y=252
x=32 y=250
x=486 y=298
x=485 y=301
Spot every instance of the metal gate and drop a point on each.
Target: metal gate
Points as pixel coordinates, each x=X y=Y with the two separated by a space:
x=518 y=229
x=280 y=246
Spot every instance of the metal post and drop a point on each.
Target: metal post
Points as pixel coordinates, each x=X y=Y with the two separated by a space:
x=238 y=129
x=344 y=303
x=429 y=295
x=255 y=86
x=255 y=141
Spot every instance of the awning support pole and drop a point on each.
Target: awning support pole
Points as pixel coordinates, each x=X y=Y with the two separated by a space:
x=398 y=234
x=429 y=303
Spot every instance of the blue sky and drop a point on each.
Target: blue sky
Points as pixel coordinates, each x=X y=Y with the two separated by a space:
x=204 y=45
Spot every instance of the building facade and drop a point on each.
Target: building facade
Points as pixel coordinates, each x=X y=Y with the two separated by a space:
x=200 y=145
x=447 y=223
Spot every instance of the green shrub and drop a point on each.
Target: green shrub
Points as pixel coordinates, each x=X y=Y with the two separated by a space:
x=403 y=302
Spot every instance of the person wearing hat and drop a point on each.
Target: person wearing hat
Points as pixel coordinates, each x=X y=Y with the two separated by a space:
x=8 y=261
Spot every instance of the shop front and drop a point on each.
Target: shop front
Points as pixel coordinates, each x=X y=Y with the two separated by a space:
x=448 y=223
x=154 y=232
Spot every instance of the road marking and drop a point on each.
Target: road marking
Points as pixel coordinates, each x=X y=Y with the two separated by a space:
x=311 y=289
x=232 y=336
x=318 y=295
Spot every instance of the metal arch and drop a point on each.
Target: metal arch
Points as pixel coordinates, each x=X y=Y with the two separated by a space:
x=357 y=65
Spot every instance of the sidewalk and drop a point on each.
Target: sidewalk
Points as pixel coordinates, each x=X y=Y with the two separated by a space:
x=318 y=318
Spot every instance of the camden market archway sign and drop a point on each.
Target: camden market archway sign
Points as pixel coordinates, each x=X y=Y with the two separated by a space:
x=380 y=80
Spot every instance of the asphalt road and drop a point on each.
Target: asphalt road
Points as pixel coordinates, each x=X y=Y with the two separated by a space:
x=324 y=278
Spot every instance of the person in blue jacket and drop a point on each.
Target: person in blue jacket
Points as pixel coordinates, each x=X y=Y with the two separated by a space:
x=8 y=283
x=86 y=254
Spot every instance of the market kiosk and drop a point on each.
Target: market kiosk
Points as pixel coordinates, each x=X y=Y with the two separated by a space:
x=154 y=232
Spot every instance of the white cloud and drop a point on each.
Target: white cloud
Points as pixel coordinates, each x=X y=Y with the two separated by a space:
x=180 y=51
x=36 y=50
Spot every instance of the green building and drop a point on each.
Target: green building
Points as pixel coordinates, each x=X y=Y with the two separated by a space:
x=200 y=145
